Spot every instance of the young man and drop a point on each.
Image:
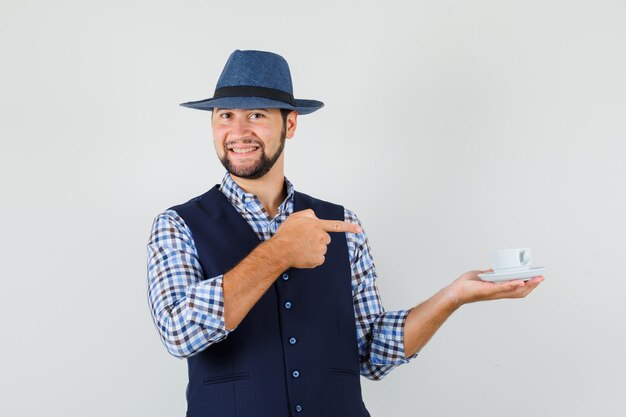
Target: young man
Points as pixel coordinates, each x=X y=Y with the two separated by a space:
x=270 y=293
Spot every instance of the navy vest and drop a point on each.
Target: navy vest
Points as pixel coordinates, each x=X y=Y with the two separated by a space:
x=295 y=353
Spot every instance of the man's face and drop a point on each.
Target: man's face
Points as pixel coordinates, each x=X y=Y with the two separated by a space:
x=249 y=142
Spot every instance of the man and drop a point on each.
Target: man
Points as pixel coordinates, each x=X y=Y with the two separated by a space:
x=270 y=293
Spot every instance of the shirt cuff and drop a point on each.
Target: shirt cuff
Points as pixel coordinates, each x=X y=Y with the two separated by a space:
x=206 y=306
x=387 y=346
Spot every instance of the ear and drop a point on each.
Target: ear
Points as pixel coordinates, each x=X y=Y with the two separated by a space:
x=292 y=123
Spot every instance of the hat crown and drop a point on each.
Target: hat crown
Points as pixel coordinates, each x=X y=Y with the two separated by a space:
x=257 y=69
x=255 y=80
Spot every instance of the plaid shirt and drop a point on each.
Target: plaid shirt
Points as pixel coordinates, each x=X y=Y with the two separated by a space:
x=188 y=311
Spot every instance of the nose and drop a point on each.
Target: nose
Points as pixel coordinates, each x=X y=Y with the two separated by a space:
x=240 y=128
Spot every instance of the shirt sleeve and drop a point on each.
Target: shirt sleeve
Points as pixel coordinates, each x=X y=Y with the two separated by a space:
x=187 y=310
x=380 y=333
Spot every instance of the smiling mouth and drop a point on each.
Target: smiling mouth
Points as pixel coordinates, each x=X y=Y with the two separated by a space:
x=243 y=151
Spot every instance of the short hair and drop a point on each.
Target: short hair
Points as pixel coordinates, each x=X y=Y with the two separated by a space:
x=285 y=113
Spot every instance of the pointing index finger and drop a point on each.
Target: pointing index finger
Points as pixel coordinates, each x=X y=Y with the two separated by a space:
x=339 y=226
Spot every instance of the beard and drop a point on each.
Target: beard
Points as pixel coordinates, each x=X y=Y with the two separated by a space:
x=261 y=166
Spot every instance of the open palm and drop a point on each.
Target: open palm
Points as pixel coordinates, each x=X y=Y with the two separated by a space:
x=470 y=288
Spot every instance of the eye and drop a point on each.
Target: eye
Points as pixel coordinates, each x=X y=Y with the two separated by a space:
x=256 y=115
x=224 y=115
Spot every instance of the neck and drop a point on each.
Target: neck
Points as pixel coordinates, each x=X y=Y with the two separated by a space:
x=270 y=188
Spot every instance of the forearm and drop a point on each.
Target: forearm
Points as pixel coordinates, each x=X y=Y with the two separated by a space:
x=190 y=313
x=300 y=242
x=246 y=283
x=425 y=319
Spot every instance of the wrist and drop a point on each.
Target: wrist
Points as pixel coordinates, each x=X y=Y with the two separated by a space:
x=452 y=294
x=278 y=252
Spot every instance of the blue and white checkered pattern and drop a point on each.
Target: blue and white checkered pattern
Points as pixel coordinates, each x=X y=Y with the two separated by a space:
x=189 y=312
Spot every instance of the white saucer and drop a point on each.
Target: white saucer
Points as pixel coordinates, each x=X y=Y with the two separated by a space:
x=508 y=275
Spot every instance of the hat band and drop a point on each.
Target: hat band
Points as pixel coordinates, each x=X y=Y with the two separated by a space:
x=252 y=91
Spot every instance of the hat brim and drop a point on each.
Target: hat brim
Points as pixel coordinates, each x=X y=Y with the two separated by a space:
x=302 y=106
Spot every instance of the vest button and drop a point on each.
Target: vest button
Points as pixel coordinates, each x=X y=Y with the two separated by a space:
x=288 y=305
x=298 y=408
x=285 y=277
x=295 y=374
x=292 y=341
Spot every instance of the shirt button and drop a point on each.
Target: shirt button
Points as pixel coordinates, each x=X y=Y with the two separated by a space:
x=298 y=408
x=288 y=305
x=292 y=341
x=285 y=277
x=295 y=374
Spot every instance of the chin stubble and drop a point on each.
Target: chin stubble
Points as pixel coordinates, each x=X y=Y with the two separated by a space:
x=259 y=168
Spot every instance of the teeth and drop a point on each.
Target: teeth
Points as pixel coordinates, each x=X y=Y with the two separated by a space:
x=246 y=150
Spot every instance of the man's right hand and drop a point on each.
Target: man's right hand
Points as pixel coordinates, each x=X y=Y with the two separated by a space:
x=302 y=240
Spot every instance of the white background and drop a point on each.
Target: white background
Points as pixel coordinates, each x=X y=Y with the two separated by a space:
x=450 y=128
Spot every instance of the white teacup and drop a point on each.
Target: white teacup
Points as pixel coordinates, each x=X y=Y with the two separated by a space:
x=505 y=259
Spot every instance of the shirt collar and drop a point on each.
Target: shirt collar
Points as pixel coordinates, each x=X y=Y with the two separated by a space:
x=248 y=201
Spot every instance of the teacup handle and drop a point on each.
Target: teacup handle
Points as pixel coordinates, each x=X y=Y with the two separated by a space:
x=524 y=257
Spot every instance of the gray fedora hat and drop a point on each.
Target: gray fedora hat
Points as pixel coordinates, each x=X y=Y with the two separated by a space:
x=255 y=80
